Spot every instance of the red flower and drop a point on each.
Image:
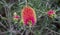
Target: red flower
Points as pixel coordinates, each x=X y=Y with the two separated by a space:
x=51 y=13
x=28 y=15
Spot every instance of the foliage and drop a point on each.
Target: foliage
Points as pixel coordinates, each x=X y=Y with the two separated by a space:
x=44 y=26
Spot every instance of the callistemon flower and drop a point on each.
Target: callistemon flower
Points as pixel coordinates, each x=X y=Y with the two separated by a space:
x=15 y=16
x=28 y=15
x=51 y=13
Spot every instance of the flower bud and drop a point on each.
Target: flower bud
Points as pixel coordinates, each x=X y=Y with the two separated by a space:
x=15 y=16
x=51 y=13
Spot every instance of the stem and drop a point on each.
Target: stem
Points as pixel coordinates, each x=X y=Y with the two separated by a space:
x=26 y=2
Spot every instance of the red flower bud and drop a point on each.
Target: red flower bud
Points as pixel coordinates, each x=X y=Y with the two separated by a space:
x=15 y=16
x=51 y=13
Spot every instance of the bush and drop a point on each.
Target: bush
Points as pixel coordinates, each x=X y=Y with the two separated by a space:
x=46 y=12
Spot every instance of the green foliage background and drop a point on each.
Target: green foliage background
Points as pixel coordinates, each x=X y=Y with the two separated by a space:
x=44 y=25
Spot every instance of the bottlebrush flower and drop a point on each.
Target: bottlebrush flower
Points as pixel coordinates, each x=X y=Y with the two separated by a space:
x=51 y=13
x=15 y=16
x=28 y=15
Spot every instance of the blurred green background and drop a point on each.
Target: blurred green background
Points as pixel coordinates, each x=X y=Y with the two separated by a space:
x=44 y=25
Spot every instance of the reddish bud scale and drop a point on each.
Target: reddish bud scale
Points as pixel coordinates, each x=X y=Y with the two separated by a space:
x=16 y=17
x=28 y=15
